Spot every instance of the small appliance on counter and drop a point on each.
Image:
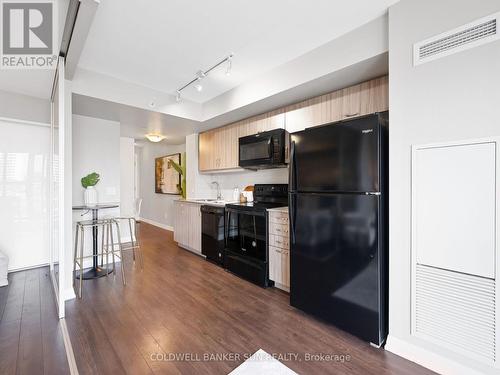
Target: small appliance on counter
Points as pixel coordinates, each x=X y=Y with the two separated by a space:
x=264 y=150
x=246 y=224
x=212 y=233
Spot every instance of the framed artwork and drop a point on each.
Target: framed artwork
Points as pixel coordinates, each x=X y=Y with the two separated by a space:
x=167 y=179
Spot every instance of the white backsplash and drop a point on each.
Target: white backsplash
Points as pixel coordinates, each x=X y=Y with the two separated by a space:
x=228 y=181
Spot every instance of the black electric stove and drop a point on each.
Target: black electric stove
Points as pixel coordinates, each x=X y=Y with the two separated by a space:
x=246 y=224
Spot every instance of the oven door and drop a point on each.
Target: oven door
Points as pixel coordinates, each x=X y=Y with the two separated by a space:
x=246 y=233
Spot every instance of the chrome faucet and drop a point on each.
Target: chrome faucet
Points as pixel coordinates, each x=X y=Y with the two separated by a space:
x=219 y=195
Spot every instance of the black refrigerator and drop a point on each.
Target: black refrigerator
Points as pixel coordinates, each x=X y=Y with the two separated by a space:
x=338 y=207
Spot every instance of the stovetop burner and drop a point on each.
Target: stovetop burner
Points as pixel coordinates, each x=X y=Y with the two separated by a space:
x=265 y=196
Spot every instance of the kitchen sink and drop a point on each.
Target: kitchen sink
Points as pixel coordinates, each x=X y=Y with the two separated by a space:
x=211 y=201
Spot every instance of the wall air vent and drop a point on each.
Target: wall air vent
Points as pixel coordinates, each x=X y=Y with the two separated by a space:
x=456 y=310
x=471 y=35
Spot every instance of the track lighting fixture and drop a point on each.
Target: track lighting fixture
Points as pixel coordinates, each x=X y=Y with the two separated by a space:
x=229 y=65
x=200 y=75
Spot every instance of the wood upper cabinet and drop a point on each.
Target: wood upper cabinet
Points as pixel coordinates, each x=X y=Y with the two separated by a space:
x=378 y=98
x=364 y=98
x=313 y=112
x=263 y=123
x=206 y=151
x=218 y=148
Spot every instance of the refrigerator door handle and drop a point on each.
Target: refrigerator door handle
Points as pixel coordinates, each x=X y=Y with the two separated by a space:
x=293 y=215
x=293 y=168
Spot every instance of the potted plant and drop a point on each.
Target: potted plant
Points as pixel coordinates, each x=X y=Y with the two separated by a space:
x=89 y=182
x=181 y=169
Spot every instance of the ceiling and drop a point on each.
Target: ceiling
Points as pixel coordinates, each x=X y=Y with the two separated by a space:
x=135 y=122
x=162 y=45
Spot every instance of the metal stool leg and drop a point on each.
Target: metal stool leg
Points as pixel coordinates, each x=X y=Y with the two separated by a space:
x=82 y=232
x=131 y=238
x=122 y=259
x=75 y=253
x=138 y=243
x=105 y=229
x=110 y=238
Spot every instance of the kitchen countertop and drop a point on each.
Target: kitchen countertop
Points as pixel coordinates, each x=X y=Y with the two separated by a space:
x=279 y=209
x=202 y=201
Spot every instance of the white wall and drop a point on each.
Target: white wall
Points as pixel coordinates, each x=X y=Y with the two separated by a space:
x=453 y=98
x=96 y=148
x=158 y=208
x=127 y=177
x=24 y=184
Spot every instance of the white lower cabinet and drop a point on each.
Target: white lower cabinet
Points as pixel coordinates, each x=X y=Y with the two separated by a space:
x=187 y=226
x=279 y=249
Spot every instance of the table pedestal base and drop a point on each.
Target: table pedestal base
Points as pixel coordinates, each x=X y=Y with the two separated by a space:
x=94 y=273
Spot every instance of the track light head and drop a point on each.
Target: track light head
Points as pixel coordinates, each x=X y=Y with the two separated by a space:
x=178 y=96
x=200 y=74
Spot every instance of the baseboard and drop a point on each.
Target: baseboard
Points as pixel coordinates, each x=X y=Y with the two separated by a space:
x=70 y=355
x=196 y=252
x=157 y=224
x=426 y=358
x=282 y=287
x=27 y=268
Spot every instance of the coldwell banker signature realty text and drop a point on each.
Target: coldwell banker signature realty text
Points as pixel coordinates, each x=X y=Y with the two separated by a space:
x=237 y=357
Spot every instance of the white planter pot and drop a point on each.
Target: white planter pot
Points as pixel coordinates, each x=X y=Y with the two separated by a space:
x=90 y=196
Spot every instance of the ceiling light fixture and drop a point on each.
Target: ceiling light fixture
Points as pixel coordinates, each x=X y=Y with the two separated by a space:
x=202 y=74
x=155 y=138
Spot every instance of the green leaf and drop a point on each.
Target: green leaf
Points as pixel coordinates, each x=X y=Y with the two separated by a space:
x=90 y=180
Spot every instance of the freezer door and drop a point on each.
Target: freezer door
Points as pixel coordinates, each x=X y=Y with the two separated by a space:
x=335 y=265
x=341 y=157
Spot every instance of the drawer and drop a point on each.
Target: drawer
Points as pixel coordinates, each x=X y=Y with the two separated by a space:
x=278 y=229
x=278 y=217
x=278 y=241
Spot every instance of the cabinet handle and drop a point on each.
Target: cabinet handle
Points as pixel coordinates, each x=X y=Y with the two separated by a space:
x=351 y=114
x=277 y=250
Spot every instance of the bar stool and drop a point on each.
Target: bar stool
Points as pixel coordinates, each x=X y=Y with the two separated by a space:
x=107 y=243
x=135 y=246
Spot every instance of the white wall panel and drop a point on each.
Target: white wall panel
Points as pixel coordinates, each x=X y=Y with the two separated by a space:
x=454 y=207
x=24 y=184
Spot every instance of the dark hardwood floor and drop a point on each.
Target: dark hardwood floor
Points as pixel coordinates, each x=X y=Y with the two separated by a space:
x=181 y=304
x=30 y=337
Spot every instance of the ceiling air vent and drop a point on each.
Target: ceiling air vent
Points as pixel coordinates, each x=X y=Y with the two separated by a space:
x=471 y=35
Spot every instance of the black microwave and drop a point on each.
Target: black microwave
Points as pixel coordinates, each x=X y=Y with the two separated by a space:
x=264 y=150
